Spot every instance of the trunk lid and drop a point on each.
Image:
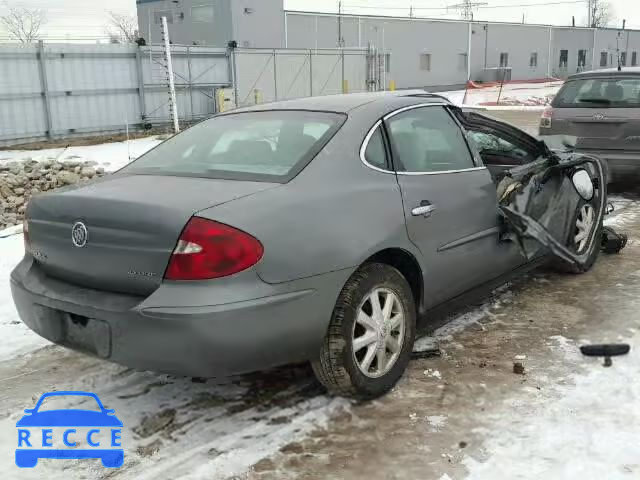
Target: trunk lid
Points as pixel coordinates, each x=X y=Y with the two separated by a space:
x=132 y=226
x=599 y=128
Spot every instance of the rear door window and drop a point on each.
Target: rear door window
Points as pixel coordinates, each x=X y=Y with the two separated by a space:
x=428 y=139
x=268 y=146
x=599 y=93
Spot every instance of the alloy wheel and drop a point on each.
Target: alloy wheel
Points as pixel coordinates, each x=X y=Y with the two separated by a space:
x=378 y=332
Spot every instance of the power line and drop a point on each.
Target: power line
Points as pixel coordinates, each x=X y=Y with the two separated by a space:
x=544 y=4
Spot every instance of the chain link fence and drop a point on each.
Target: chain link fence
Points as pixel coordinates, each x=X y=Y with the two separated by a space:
x=52 y=91
x=267 y=75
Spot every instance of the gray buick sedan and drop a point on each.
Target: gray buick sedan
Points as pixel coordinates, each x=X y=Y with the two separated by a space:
x=314 y=230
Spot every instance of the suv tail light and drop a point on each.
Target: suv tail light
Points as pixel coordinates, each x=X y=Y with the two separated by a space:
x=545 y=120
x=208 y=249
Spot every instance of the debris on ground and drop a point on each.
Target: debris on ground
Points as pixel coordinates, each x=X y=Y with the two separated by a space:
x=432 y=373
x=426 y=353
x=518 y=368
x=605 y=350
x=612 y=241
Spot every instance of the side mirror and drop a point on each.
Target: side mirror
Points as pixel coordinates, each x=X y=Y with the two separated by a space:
x=584 y=186
x=29 y=410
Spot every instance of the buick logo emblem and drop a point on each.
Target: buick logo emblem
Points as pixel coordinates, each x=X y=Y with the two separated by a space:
x=79 y=234
x=599 y=116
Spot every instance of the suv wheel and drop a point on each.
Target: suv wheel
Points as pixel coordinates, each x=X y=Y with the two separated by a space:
x=371 y=334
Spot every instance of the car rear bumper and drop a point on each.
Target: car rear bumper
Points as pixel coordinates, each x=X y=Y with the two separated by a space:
x=213 y=328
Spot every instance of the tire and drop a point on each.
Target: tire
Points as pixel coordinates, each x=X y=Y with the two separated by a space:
x=339 y=368
x=564 y=267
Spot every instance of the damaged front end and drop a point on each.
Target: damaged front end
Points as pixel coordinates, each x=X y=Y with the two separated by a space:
x=555 y=206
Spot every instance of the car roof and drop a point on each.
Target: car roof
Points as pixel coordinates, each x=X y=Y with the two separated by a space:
x=607 y=72
x=343 y=103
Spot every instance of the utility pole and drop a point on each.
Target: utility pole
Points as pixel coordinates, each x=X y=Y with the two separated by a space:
x=466 y=8
x=588 y=13
x=173 y=107
x=411 y=11
x=340 y=41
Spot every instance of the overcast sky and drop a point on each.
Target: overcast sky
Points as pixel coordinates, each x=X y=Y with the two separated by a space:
x=88 y=19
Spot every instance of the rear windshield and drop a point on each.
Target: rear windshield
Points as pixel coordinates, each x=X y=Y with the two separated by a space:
x=271 y=146
x=599 y=93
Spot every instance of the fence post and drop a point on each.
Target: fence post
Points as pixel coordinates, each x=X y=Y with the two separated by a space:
x=343 y=79
x=310 y=73
x=190 y=84
x=234 y=61
x=275 y=76
x=42 y=67
x=141 y=99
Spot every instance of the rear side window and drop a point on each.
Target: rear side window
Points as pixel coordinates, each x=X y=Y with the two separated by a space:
x=268 y=146
x=375 y=153
x=427 y=139
x=599 y=93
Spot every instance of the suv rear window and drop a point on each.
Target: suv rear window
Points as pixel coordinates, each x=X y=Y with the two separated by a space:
x=271 y=146
x=599 y=93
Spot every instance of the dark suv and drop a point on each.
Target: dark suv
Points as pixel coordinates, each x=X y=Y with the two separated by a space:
x=601 y=110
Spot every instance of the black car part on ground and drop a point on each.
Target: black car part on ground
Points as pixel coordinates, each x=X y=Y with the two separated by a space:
x=538 y=202
x=612 y=241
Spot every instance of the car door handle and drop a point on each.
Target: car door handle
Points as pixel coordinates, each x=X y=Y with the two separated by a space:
x=425 y=209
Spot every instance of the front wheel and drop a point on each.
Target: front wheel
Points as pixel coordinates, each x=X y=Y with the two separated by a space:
x=584 y=222
x=370 y=336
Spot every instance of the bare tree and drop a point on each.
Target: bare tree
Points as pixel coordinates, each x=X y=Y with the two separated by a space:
x=23 y=24
x=123 y=28
x=601 y=13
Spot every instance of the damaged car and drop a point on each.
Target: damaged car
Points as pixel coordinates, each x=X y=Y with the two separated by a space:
x=317 y=229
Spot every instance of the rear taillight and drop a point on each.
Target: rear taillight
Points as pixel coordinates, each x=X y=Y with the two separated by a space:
x=545 y=120
x=25 y=230
x=208 y=249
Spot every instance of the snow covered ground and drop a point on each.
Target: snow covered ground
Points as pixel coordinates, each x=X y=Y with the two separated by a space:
x=111 y=156
x=513 y=95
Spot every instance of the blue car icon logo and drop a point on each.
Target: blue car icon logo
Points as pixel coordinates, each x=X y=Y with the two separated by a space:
x=71 y=433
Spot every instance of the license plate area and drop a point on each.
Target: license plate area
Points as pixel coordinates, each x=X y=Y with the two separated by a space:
x=87 y=334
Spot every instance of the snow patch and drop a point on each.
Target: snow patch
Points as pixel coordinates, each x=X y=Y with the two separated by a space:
x=432 y=373
x=437 y=421
x=16 y=337
x=592 y=419
x=110 y=156
x=515 y=96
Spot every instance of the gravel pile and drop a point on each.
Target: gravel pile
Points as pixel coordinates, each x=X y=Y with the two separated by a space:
x=20 y=180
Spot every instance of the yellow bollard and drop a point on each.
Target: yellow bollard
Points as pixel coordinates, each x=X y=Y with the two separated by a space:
x=221 y=104
x=257 y=96
x=345 y=86
x=392 y=85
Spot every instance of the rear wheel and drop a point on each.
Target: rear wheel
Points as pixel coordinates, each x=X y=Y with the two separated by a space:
x=371 y=334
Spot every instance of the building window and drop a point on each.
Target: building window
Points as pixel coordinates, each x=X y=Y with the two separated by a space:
x=157 y=16
x=387 y=63
x=504 y=59
x=564 y=58
x=582 y=58
x=533 y=59
x=603 y=59
x=202 y=13
x=623 y=59
x=425 y=61
x=634 y=59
